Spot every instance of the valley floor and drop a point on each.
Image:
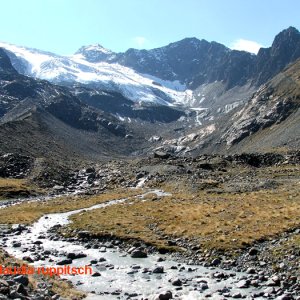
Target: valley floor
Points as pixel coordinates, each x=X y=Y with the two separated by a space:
x=217 y=211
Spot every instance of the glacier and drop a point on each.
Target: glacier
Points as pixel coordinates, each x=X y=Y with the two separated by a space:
x=103 y=75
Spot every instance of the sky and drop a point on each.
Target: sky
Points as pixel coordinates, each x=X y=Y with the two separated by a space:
x=63 y=26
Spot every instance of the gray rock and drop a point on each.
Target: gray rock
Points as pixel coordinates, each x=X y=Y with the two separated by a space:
x=255 y=283
x=158 y=270
x=269 y=290
x=138 y=254
x=76 y=255
x=165 y=296
x=160 y=259
x=4 y=287
x=21 y=289
x=250 y=271
x=216 y=262
x=262 y=263
x=276 y=280
x=15 y=295
x=177 y=282
x=64 y=262
x=203 y=286
x=236 y=295
x=58 y=188
x=22 y=279
x=37 y=242
x=243 y=284
x=16 y=244
x=273 y=281
x=253 y=251
x=94 y=261
x=131 y=250
x=161 y=154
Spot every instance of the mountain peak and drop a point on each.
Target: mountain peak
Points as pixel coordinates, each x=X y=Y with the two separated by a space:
x=291 y=29
x=95 y=47
x=289 y=35
x=95 y=53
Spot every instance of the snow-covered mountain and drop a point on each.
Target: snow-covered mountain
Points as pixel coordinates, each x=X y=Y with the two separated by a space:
x=96 y=53
x=81 y=68
x=191 y=72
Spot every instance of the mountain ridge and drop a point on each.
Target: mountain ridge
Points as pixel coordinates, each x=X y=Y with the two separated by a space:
x=136 y=58
x=177 y=74
x=208 y=119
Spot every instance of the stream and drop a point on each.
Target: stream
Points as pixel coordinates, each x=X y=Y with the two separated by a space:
x=121 y=276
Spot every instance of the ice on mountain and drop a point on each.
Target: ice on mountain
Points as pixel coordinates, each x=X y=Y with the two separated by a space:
x=108 y=76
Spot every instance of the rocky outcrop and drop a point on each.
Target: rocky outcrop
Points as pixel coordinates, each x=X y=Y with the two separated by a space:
x=15 y=165
x=284 y=50
x=5 y=64
x=271 y=104
x=116 y=103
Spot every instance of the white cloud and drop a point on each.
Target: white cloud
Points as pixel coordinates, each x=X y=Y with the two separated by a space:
x=140 y=41
x=246 y=45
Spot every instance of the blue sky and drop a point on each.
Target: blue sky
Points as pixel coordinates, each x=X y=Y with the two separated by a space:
x=62 y=26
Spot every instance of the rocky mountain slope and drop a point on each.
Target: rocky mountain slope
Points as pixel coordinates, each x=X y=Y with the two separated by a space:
x=42 y=119
x=270 y=120
x=89 y=111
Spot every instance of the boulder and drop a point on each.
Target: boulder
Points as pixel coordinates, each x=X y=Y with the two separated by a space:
x=138 y=254
x=165 y=296
x=72 y=255
x=158 y=270
x=161 y=154
x=253 y=251
x=216 y=262
x=23 y=279
x=176 y=282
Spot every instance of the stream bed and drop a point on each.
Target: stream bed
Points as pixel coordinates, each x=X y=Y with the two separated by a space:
x=119 y=275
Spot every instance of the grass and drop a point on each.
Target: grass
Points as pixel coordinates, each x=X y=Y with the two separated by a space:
x=214 y=221
x=11 y=188
x=27 y=213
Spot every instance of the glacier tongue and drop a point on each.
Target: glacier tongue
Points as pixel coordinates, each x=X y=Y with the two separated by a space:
x=107 y=76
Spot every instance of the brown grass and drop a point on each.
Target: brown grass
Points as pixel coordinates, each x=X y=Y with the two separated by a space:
x=27 y=213
x=10 y=188
x=226 y=221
